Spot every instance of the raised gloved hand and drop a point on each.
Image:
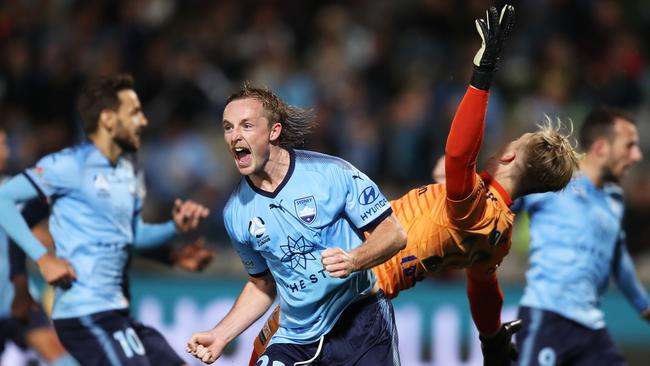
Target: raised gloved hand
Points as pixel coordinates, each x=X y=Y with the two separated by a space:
x=499 y=350
x=494 y=30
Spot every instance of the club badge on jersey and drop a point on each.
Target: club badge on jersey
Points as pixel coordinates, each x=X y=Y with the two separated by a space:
x=306 y=209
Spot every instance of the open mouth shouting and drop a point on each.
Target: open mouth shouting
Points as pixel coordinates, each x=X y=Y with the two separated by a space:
x=243 y=157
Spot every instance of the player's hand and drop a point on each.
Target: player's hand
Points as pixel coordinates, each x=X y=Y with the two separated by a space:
x=499 y=350
x=194 y=256
x=646 y=315
x=337 y=262
x=56 y=271
x=22 y=304
x=206 y=346
x=188 y=214
x=494 y=30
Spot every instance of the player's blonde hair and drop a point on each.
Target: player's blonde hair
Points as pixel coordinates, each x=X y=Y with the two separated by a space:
x=296 y=122
x=550 y=158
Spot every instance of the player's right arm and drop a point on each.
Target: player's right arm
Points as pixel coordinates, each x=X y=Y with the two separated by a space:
x=464 y=202
x=255 y=299
x=17 y=190
x=624 y=274
x=466 y=133
x=35 y=212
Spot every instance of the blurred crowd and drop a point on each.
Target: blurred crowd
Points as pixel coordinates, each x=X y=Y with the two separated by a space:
x=383 y=76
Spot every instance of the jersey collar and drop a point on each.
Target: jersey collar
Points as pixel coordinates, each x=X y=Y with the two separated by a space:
x=285 y=180
x=490 y=181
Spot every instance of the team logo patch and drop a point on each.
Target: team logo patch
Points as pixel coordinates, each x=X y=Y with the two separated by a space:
x=256 y=227
x=368 y=196
x=306 y=209
x=297 y=252
x=102 y=186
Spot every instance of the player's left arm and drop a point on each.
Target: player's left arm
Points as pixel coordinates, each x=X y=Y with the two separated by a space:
x=486 y=301
x=385 y=240
x=192 y=256
x=625 y=276
x=485 y=297
x=186 y=217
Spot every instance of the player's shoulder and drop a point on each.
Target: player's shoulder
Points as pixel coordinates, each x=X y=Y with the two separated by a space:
x=69 y=158
x=238 y=197
x=576 y=191
x=316 y=161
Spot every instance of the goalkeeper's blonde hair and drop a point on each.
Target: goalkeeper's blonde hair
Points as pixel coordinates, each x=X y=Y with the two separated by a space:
x=550 y=158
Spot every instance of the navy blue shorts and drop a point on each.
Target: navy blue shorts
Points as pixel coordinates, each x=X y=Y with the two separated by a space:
x=15 y=331
x=548 y=339
x=365 y=334
x=113 y=338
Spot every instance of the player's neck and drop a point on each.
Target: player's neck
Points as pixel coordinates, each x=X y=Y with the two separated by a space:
x=274 y=172
x=505 y=179
x=591 y=169
x=106 y=146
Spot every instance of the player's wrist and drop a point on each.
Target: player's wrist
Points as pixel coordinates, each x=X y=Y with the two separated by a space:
x=482 y=78
x=44 y=259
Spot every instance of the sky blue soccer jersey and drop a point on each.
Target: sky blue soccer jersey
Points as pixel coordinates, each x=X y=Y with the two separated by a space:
x=94 y=204
x=323 y=202
x=576 y=243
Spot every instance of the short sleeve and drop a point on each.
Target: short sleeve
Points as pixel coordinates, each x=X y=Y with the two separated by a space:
x=365 y=205
x=252 y=260
x=55 y=174
x=140 y=190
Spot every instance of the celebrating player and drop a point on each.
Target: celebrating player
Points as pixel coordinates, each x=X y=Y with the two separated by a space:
x=96 y=199
x=296 y=220
x=576 y=243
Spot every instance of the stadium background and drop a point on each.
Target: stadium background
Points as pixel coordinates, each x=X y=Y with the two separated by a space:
x=384 y=78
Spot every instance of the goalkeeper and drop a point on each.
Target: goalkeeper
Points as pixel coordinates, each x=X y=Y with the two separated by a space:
x=466 y=222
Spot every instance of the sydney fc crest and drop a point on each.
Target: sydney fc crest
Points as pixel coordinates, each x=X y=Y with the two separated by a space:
x=306 y=209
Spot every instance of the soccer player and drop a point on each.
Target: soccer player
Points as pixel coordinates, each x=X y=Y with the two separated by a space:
x=296 y=219
x=96 y=199
x=576 y=244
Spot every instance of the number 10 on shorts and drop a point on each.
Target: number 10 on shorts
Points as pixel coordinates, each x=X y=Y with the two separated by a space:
x=130 y=342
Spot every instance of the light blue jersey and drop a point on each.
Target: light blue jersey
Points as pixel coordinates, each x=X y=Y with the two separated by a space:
x=95 y=218
x=576 y=243
x=323 y=202
x=93 y=207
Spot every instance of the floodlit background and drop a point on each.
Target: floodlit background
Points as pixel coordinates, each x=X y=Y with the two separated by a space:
x=384 y=78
